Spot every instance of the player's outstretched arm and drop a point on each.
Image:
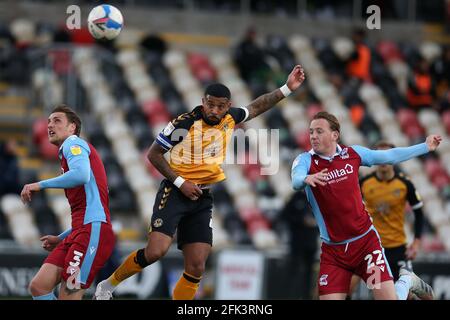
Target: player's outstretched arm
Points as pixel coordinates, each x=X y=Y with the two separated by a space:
x=397 y=155
x=156 y=157
x=300 y=176
x=268 y=100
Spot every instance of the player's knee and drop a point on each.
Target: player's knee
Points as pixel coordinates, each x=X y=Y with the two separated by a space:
x=195 y=268
x=154 y=254
x=36 y=288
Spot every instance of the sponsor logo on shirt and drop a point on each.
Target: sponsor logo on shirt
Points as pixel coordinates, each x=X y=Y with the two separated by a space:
x=75 y=150
x=158 y=223
x=337 y=175
x=344 y=153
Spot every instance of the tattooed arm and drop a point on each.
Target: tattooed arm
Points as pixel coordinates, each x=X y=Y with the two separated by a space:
x=156 y=157
x=268 y=100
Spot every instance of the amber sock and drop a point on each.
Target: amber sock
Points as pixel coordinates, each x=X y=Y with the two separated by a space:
x=186 y=287
x=133 y=264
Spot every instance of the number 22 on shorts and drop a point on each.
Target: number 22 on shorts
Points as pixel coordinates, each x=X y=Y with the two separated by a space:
x=379 y=260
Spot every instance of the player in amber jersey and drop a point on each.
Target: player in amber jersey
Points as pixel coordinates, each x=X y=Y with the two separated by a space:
x=386 y=193
x=197 y=141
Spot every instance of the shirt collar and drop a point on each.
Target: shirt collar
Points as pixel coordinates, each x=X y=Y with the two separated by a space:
x=338 y=152
x=61 y=146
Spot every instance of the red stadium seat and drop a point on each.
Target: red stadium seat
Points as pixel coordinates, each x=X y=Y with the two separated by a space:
x=440 y=179
x=48 y=151
x=252 y=172
x=81 y=36
x=159 y=118
x=446 y=120
x=156 y=112
x=302 y=140
x=61 y=60
x=254 y=219
x=40 y=131
x=251 y=169
x=153 y=107
x=257 y=224
x=150 y=167
x=389 y=51
x=205 y=74
x=196 y=60
x=414 y=131
x=312 y=109
x=432 y=166
x=248 y=214
x=406 y=116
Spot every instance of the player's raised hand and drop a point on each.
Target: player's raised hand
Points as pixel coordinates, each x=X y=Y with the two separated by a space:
x=319 y=178
x=25 y=195
x=50 y=242
x=295 y=78
x=433 y=141
x=191 y=190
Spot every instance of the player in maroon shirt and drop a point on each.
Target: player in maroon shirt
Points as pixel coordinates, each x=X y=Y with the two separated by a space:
x=351 y=245
x=79 y=253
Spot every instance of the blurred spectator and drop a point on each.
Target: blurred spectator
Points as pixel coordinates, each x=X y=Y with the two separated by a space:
x=155 y=44
x=445 y=102
x=303 y=244
x=249 y=58
x=421 y=89
x=441 y=71
x=9 y=178
x=358 y=65
x=61 y=35
x=447 y=16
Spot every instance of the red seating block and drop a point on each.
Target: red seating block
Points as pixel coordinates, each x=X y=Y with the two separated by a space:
x=40 y=131
x=150 y=167
x=446 y=120
x=389 y=51
x=312 y=109
x=48 y=151
x=302 y=140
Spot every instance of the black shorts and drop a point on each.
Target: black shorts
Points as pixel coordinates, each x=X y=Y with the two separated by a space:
x=396 y=258
x=173 y=211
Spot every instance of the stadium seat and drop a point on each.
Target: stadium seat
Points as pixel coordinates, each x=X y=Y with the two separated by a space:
x=414 y=132
x=430 y=51
x=432 y=166
x=406 y=116
x=150 y=167
x=312 y=109
x=446 y=120
x=389 y=51
x=40 y=131
x=303 y=141
x=20 y=220
x=48 y=151
x=153 y=107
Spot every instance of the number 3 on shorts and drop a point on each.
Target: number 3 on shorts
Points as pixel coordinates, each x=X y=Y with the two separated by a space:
x=370 y=257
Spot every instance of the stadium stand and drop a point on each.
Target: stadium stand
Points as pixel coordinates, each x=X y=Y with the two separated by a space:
x=131 y=90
